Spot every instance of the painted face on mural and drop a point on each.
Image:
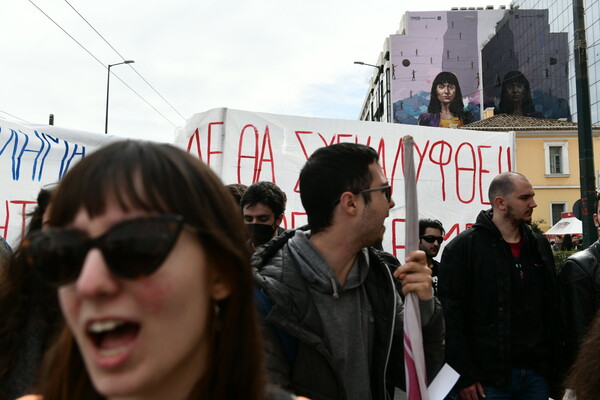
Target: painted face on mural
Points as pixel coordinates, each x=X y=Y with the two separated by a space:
x=446 y=92
x=515 y=91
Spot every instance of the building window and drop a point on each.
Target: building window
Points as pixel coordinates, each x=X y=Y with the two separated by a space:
x=557 y=158
x=557 y=209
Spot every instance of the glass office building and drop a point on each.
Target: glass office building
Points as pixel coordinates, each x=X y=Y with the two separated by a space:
x=560 y=16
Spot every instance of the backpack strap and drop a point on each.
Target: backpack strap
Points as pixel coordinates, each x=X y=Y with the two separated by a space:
x=288 y=342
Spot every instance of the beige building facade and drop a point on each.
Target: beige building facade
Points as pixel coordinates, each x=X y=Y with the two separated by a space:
x=547 y=152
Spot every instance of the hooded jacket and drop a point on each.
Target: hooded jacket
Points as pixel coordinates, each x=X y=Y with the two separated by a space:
x=475 y=290
x=283 y=273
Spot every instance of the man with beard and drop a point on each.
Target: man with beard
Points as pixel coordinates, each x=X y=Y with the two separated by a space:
x=500 y=299
x=263 y=205
x=329 y=305
x=431 y=236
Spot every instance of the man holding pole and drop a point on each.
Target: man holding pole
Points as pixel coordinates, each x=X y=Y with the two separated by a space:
x=500 y=299
x=331 y=313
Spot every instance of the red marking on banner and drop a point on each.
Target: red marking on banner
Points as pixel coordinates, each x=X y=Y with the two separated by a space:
x=209 y=152
x=24 y=204
x=296 y=214
x=5 y=227
x=483 y=171
x=395 y=245
x=472 y=168
x=266 y=144
x=441 y=161
x=399 y=153
x=195 y=138
x=251 y=156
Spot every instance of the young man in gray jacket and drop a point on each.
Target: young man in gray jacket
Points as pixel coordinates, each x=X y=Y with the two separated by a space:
x=331 y=312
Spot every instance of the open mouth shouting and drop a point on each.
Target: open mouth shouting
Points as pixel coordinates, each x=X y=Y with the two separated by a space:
x=113 y=340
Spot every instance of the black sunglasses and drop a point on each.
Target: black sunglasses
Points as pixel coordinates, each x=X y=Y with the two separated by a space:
x=432 y=238
x=386 y=189
x=131 y=249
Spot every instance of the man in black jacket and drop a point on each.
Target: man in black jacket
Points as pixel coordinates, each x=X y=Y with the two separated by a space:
x=499 y=295
x=580 y=288
x=431 y=236
x=331 y=313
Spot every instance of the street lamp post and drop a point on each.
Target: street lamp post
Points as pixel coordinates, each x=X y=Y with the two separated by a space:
x=107 y=89
x=380 y=77
x=379 y=67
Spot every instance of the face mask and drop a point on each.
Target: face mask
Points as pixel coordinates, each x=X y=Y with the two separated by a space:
x=260 y=233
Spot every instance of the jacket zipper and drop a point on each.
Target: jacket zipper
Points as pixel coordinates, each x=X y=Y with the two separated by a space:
x=387 y=357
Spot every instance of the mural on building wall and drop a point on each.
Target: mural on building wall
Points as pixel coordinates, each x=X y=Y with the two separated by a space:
x=525 y=67
x=506 y=59
x=435 y=42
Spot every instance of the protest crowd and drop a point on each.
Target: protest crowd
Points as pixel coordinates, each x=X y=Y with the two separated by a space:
x=142 y=276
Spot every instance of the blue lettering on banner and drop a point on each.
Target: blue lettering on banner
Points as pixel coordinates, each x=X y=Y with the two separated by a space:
x=22 y=147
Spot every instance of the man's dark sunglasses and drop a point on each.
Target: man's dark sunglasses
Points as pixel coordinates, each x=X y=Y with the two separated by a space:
x=432 y=238
x=131 y=249
x=386 y=189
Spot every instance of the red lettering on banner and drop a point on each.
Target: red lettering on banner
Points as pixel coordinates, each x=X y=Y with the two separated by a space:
x=395 y=245
x=5 y=227
x=24 y=204
x=381 y=152
x=483 y=171
x=325 y=143
x=345 y=135
x=472 y=168
x=284 y=222
x=508 y=160
x=399 y=153
x=209 y=152
x=441 y=161
x=195 y=138
x=251 y=156
x=23 y=213
x=421 y=158
x=266 y=144
x=296 y=214
x=298 y=133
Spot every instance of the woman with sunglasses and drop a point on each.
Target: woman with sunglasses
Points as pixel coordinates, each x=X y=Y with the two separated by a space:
x=146 y=247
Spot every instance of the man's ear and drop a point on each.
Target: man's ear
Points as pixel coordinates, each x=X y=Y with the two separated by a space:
x=278 y=220
x=499 y=203
x=220 y=287
x=348 y=203
x=596 y=220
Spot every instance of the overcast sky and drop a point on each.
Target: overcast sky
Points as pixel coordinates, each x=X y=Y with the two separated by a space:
x=280 y=57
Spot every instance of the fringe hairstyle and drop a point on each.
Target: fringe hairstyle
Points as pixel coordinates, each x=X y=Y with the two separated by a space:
x=162 y=178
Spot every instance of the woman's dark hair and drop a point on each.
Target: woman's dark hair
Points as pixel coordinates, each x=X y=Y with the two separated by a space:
x=329 y=172
x=31 y=317
x=161 y=178
x=456 y=106
x=506 y=105
x=583 y=376
x=567 y=243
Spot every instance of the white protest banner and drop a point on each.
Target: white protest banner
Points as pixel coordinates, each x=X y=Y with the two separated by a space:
x=32 y=156
x=453 y=167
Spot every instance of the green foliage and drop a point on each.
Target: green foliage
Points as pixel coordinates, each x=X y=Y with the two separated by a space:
x=560 y=257
x=535 y=225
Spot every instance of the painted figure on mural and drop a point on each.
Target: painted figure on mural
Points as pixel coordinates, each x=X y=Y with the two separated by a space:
x=515 y=98
x=446 y=108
